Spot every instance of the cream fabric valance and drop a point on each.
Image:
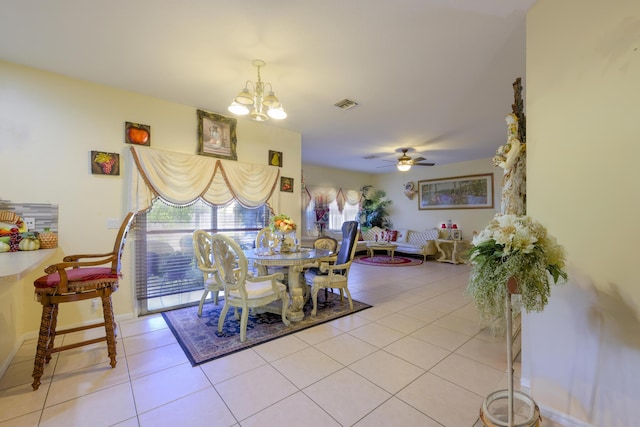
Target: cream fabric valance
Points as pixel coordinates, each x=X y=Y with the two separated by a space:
x=326 y=195
x=182 y=178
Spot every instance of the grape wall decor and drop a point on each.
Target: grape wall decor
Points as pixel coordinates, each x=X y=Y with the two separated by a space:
x=103 y=163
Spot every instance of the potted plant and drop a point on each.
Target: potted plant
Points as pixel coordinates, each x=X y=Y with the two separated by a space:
x=513 y=247
x=373 y=209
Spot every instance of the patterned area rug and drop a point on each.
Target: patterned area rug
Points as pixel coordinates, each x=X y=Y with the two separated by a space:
x=200 y=341
x=385 y=260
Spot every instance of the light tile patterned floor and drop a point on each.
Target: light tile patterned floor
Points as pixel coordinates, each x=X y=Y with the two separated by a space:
x=418 y=358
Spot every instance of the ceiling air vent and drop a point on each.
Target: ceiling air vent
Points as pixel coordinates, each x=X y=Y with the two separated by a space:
x=346 y=104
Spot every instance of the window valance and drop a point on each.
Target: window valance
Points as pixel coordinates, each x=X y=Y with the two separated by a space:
x=326 y=195
x=182 y=178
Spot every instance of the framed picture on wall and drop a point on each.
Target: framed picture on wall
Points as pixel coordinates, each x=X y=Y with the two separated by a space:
x=217 y=135
x=103 y=163
x=459 y=192
x=275 y=158
x=137 y=134
x=286 y=184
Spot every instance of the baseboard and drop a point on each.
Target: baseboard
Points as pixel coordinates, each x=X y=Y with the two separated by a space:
x=5 y=363
x=554 y=415
x=561 y=418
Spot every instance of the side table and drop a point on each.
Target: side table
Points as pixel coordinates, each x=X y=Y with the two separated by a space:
x=452 y=250
x=389 y=247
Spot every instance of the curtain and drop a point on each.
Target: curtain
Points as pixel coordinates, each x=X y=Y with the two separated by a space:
x=328 y=195
x=183 y=178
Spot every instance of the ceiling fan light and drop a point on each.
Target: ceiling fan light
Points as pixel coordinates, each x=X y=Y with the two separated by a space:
x=277 y=113
x=404 y=166
x=244 y=97
x=238 y=109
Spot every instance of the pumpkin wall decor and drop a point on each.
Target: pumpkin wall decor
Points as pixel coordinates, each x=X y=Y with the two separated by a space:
x=135 y=133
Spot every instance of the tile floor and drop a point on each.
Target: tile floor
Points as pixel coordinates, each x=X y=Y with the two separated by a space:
x=417 y=358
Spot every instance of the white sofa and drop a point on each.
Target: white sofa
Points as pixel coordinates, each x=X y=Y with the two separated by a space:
x=409 y=241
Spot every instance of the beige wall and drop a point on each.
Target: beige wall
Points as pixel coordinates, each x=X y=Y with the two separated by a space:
x=48 y=126
x=404 y=211
x=581 y=355
x=321 y=176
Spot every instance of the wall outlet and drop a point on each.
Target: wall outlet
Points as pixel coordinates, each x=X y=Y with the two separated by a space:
x=113 y=223
x=94 y=304
x=30 y=223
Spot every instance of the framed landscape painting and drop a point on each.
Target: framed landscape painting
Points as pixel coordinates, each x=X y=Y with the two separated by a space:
x=460 y=192
x=217 y=136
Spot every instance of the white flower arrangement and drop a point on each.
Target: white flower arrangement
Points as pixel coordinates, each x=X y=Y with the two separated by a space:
x=519 y=247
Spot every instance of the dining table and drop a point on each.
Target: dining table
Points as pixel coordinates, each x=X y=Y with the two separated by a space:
x=295 y=261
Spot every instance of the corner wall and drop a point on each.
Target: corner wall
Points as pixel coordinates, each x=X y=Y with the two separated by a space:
x=581 y=355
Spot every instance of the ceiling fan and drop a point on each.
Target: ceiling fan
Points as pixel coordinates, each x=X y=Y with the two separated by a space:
x=405 y=162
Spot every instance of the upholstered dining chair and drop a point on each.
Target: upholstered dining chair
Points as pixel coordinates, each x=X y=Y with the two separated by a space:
x=77 y=278
x=204 y=260
x=242 y=289
x=327 y=243
x=264 y=241
x=337 y=274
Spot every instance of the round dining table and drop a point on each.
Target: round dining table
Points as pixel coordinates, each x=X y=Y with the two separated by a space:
x=295 y=261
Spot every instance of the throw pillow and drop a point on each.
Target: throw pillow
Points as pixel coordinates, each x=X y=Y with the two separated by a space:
x=391 y=235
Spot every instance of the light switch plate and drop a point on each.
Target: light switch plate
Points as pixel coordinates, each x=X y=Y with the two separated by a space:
x=30 y=223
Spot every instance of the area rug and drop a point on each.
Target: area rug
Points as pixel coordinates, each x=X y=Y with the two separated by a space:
x=200 y=341
x=385 y=260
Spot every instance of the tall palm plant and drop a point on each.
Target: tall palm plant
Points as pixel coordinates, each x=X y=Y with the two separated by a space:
x=373 y=208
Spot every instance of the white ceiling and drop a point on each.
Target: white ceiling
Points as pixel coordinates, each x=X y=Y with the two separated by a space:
x=434 y=75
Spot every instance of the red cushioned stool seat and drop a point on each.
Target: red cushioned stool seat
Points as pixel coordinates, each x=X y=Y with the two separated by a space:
x=77 y=278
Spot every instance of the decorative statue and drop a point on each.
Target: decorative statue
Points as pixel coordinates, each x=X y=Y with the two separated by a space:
x=512 y=158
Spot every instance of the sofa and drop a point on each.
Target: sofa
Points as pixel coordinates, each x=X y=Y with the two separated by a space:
x=412 y=242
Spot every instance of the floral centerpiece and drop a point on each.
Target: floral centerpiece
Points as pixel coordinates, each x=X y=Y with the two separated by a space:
x=518 y=247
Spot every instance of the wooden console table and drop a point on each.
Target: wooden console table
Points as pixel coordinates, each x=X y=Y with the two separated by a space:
x=452 y=250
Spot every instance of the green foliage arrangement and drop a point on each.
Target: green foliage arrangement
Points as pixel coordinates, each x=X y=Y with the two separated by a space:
x=519 y=247
x=374 y=209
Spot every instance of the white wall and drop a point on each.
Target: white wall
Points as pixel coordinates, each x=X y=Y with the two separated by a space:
x=405 y=212
x=48 y=126
x=329 y=177
x=582 y=353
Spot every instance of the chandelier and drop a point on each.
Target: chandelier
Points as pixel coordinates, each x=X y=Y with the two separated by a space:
x=254 y=102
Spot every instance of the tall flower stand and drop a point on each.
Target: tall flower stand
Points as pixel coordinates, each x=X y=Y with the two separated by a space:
x=494 y=411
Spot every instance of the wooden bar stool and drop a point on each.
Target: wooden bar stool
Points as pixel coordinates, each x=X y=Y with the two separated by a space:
x=76 y=280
